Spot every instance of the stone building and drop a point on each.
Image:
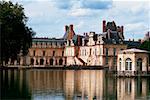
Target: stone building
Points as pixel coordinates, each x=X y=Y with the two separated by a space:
x=45 y=51
x=89 y=49
x=132 y=62
x=96 y=49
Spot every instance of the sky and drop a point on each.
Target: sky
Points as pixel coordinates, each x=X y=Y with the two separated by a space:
x=49 y=17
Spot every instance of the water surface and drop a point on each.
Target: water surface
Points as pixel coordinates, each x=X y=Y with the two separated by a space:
x=71 y=85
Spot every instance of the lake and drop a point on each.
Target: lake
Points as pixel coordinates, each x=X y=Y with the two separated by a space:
x=43 y=84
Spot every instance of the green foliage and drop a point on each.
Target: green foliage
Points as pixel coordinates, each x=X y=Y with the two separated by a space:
x=15 y=35
x=145 y=45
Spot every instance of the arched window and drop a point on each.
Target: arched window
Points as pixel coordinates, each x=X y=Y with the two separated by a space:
x=128 y=64
x=139 y=64
x=41 y=61
x=60 y=61
x=32 y=61
x=51 y=61
x=120 y=63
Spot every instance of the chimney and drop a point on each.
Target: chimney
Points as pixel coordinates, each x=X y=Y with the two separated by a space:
x=66 y=28
x=122 y=29
x=129 y=39
x=71 y=27
x=133 y=40
x=140 y=40
x=104 y=26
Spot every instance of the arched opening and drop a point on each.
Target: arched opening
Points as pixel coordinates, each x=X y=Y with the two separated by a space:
x=51 y=61
x=18 y=61
x=41 y=61
x=120 y=63
x=12 y=62
x=128 y=64
x=139 y=64
x=60 y=61
x=32 y=61
x=37 y=62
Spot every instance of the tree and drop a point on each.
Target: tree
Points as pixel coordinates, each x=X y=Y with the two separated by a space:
x=146 y=46
x=16 y=36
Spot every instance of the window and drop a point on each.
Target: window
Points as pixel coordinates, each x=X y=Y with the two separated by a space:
x=32 y=61
x=51 y=61
x=115 y=58
x=69 y=43
x=41 y=61
x=114 y=53
x=43 y=53
x=139 y=64
x=120 y=62
x=53 y=53
x=90 y=51
x=37 y=62
x=128 y=64
x=34 y=53
x=60 y=61
x=106 y=56
x=62 y=53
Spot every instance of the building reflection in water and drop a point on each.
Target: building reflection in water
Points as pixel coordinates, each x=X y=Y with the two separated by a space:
x=132 y=88
x=71 y=85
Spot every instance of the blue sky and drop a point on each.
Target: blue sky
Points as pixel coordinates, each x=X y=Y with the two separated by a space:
x=48 y=17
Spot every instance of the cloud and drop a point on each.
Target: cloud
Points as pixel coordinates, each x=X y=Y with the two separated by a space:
x=135 y=27
x=96 y=4
x=80 y=12
x=48 y=17
x=86 y=4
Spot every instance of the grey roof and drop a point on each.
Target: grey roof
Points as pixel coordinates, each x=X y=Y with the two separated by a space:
x=132 y=44
x=47 y=40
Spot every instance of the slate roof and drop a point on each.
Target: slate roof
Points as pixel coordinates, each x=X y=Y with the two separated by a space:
x=132 y=44
x=48 y=40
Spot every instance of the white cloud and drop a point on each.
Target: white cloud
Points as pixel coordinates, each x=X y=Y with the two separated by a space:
x=135 y=27
x=79 y=12
x=50 y=16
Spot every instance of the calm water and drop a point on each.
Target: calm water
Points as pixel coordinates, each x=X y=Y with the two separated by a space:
x=71 y=85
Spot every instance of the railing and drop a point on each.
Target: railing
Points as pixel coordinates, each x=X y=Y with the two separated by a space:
x=132 y=73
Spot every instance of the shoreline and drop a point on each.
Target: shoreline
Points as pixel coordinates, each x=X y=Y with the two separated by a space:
x=72 y=67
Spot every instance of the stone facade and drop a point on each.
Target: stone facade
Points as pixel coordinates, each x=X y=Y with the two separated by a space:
x=96 y=49
x=89 y=49
x=132 y=61
x=46 y=51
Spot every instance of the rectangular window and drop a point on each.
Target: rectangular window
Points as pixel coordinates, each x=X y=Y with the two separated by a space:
x=114 y=55
x=106 y=56
x=120 y=65
x=43 y=53
x=34 y=53
x=90 y=51
x=53 y=53
x=130 y=66
x=62 y=53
